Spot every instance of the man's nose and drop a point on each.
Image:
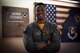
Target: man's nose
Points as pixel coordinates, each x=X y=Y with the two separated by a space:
x=40 y=12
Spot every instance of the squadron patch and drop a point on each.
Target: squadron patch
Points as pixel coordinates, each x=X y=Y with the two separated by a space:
x=38 y=33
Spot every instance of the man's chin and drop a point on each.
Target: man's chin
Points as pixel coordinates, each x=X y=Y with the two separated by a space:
x=40 y=18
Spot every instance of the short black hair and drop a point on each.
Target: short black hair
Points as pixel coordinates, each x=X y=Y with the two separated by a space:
x=36 y=4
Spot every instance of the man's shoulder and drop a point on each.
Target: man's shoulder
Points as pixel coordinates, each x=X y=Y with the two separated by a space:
x=48 y=22
x=51 y=24
x=31 y=24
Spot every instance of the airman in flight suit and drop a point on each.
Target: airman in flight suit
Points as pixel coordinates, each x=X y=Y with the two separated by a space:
x=41 y=36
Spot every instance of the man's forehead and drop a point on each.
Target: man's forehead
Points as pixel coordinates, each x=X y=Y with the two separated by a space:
x=40 y=6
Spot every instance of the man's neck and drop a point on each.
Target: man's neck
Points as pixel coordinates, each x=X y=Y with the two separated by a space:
x=41 y=21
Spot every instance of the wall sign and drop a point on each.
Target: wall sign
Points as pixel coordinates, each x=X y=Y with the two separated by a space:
x=14 y=20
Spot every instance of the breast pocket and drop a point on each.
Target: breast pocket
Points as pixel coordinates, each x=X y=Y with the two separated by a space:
x=37 y=35
x=46 y=35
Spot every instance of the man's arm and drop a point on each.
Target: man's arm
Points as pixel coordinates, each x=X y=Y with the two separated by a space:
x=54 y=42
x=28 y=40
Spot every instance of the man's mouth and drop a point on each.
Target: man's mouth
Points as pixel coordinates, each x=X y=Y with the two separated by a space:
x=40 y=15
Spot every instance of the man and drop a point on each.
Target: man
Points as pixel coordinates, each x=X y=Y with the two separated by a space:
x=41 y=36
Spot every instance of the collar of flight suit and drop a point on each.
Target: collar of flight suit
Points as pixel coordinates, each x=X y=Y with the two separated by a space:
x=36 y=25
x=44 y=28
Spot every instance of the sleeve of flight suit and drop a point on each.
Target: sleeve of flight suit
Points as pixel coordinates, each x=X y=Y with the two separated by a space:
x=28 y=40
x=55 y=40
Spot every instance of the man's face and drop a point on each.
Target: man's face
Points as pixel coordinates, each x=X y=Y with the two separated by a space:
x=40 y=12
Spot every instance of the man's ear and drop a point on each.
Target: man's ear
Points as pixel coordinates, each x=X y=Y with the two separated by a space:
x=35 y=11
x=45 y=12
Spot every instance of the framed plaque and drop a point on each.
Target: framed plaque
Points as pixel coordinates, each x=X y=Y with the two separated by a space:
x=14 y=19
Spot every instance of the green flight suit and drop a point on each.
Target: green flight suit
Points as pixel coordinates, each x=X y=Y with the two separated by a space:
x=33 y=35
